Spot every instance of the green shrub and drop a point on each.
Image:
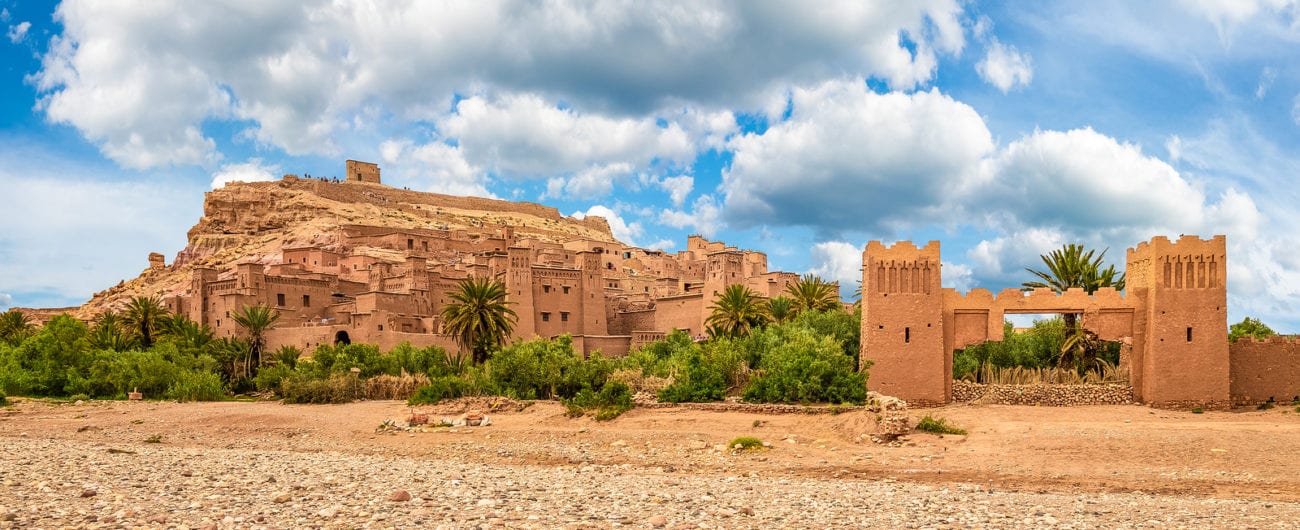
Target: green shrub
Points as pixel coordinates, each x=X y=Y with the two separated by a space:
x=269 y=377
x=196 y=386
x=532 y=369
x=1198 y=410
x=1265 y=405
x=438 y=389
x=78 y=397
x=337 y=388
x=592 y=373
x=697 y=380
x=806 y=367
x=613 y=399
x=745 y=443
x=286 y=356
x=4 y=399
x=938 y=426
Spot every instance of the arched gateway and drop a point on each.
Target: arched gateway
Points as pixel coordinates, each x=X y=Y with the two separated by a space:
x=1174 y=314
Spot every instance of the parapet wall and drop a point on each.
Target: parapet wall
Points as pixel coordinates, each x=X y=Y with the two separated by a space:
x=1264 y=370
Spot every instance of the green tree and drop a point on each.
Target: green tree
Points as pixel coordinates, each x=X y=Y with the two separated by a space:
x=1249 y=327
x=1074 y=266
x=186 y=332
x=255 y=320
x=479 y=316
x=811 y=293
x=15 y=326
x=108 y=334
x=780 y=309
x=736 y=311
x=144 y=316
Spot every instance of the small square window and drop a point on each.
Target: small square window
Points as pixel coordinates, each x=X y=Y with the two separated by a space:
x=564 y=316
x=566 y=289
x=546 y=288
x=546 y=317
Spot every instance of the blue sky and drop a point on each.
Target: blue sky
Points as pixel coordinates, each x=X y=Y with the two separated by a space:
x=803 y=130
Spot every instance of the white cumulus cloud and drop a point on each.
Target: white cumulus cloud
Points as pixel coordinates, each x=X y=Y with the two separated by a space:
x=18 y=32
x=705 y=217
x=1005 y=67
x=435 y=166
x=848 y=158
x=623 y=231
x=302 y=76
x=252 y=171
x=838 y=261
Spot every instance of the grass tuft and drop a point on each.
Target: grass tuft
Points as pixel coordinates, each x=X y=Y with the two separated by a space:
x=938 y=426
x=1198 y=410
x=746 y=443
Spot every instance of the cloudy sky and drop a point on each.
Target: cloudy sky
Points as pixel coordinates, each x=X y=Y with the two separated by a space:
x=801 y=129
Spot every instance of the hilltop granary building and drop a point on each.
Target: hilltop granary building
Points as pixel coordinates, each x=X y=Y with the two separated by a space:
x=386 y=286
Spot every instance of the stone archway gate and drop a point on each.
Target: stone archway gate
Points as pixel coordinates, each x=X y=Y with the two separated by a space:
x=1174 y=314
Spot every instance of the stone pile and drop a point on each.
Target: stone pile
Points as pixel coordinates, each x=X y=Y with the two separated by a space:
x=1043 y=394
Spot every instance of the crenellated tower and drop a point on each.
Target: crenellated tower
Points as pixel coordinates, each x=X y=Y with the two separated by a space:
x=902 y=322
x=593 y=293
x=519 y=290
x=1180 y=349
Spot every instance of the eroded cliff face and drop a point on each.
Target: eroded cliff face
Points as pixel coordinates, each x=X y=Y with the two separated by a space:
x=254 y=222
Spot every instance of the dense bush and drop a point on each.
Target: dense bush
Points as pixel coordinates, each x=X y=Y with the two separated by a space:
x=438 y=389
x=337 y=388
x=610 y=402
x=196 y=386
x=532 y=369
x=810 y=358
x=805 y=367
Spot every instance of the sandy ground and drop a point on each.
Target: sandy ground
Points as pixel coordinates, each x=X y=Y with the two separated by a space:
x=1056 y=454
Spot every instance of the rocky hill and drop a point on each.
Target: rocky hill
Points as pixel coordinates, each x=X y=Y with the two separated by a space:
x=245 y=222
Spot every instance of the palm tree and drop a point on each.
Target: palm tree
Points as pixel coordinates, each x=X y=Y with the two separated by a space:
x=780 y=309
x=108 y=334
x=143 y=316
x=736 y=311
x=14 y=326
x=479 y=316
x=1073 y=266
x=811 y=293
x=186 y=332
x=255 y=320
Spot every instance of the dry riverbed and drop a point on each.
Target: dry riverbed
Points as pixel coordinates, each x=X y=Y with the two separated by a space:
x=265 y=464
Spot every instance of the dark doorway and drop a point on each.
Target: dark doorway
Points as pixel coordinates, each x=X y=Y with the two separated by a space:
x=341 y=338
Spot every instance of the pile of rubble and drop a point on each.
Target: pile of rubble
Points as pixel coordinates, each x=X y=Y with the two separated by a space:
x=422 y=422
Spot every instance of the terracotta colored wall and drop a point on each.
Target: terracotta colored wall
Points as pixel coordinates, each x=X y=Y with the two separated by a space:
x=680 y=312
x=607 y=345
x=1264 y=370
x=362 y=171
x=902 y=322
x=1184 y=334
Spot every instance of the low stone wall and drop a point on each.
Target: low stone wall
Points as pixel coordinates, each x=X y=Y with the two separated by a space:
x=1043 y=394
